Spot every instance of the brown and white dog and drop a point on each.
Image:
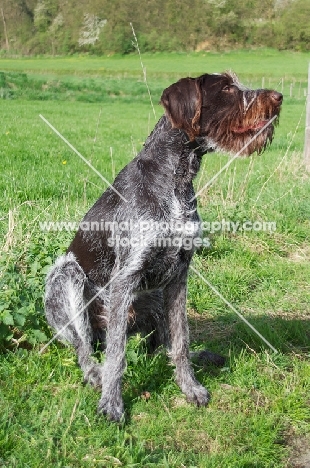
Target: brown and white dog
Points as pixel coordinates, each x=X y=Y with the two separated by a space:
x=123 y=279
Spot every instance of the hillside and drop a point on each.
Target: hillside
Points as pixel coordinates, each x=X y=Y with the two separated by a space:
x=54 y=27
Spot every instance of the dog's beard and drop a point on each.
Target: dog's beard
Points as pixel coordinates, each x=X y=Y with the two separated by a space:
x=242 y=133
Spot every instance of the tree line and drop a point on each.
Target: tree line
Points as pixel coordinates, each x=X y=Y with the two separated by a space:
x=103 y=26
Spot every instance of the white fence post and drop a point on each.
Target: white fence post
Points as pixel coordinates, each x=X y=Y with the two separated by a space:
x=307 y=132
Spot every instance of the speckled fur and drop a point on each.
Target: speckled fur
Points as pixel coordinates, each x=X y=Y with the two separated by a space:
x=143 y=288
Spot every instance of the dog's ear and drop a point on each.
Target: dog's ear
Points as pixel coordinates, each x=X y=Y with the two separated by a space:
x=182 y=102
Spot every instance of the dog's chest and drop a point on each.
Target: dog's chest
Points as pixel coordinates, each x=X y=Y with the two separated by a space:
x=185 y=218
x=172 y=248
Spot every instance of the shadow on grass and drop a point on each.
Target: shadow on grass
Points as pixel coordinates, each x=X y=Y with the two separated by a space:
x=227 y=332
x=226 y=335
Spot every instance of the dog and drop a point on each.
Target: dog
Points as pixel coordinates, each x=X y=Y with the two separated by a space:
x=125 y=278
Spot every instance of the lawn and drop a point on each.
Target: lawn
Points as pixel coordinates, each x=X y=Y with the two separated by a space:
x=259 y=413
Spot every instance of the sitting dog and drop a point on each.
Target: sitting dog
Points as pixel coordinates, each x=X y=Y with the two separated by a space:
x=126 y=269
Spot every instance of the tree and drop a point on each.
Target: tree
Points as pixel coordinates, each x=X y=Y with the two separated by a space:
x=293 y=26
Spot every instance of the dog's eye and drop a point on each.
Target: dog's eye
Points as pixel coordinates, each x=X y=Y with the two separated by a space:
x=228 y=89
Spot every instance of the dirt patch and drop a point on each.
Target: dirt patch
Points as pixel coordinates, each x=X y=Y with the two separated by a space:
x=302 y=254
x=300 y=457
x=206 y=328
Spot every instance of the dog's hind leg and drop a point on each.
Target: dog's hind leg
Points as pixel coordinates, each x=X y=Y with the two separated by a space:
x=66 y=311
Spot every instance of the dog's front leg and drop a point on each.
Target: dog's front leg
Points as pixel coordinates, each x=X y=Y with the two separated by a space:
x=175 y=307
x=111 y=402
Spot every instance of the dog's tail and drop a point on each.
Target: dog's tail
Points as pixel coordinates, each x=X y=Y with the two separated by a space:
x=64 y=299
x=66 y=311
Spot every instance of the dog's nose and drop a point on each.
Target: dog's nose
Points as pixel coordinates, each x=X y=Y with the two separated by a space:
x=276 y=97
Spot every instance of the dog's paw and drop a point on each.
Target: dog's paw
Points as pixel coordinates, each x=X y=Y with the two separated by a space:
x=208 y=357
x=198 y=394
x=212 y=358
x=94 y=376
x=114 y=410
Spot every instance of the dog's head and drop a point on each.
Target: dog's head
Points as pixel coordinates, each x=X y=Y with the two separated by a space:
x=226 y=114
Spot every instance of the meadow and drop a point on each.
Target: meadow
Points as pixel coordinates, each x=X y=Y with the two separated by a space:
x=259 y=415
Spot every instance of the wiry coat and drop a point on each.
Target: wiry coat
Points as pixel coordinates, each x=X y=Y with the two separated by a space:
x=123 y=278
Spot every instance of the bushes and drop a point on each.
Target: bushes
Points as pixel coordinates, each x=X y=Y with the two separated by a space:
x=21 y=292
x=292 y=29
x=22 y=320
x=54 y=27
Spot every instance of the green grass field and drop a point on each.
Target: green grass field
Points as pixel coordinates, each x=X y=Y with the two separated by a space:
x=259 y=414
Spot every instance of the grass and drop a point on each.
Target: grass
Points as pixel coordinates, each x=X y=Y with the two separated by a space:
x=259 y=414
x=256 y=68
x=262 y=62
